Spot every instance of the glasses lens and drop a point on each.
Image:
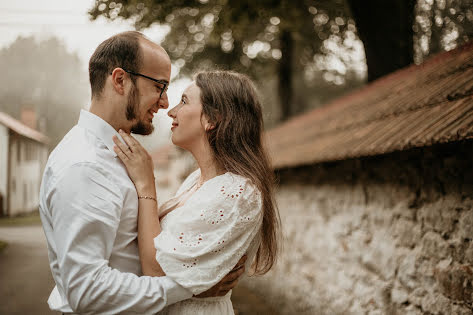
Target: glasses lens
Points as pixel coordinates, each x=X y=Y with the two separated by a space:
x=163 y=88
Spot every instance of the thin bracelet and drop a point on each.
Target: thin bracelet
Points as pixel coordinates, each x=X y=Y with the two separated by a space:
x=147 y=197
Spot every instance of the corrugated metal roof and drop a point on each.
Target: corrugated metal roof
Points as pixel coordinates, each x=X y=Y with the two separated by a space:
x=22 y=129
x=416 y=106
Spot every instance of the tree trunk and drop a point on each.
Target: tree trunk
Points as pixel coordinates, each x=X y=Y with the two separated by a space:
x=385 y=27
x=285 y=74
x=435 y=32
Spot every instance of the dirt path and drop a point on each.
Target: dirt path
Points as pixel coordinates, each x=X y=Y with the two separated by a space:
x=25 y=278
x=26 y=281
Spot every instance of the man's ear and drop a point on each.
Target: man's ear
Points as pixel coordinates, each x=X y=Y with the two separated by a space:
x=118 y=80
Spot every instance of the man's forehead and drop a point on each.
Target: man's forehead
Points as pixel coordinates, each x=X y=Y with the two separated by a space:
x=155 y=51
x=156 y=60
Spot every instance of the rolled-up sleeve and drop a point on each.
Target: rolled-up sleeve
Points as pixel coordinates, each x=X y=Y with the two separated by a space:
x=85 y=207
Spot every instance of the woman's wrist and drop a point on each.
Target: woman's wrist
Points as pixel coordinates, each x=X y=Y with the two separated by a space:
x=146 y=189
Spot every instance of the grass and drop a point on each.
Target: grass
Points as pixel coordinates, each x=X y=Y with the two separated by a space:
x=26 y=219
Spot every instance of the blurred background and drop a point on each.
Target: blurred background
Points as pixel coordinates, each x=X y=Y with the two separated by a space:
x=301 y=54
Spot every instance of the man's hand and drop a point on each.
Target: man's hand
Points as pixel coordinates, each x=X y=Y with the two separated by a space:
x=228 y=282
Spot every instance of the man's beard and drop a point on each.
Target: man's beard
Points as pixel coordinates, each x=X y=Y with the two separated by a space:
x=140 y=127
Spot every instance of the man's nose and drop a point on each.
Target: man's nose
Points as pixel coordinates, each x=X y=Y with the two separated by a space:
x=163 y=101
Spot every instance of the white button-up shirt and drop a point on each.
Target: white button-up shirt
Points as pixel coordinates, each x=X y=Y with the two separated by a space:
x=88 y=207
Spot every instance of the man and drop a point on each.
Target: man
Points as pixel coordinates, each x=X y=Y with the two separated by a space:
x=88 y=204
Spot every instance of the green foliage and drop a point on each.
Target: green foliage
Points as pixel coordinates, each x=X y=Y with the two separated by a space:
x=219 y=32
x=245 y=35
x=441 y=25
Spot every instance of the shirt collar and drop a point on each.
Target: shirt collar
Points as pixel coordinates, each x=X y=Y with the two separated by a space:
x=100 y=128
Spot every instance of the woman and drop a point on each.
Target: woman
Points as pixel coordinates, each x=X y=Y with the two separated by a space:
x=223 y=210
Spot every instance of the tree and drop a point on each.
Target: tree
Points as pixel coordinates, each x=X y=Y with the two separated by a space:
x=385 y=27
x=300 y=40
x=261 y=38
x=398 y=33
x=441 y=25
x=44 y=76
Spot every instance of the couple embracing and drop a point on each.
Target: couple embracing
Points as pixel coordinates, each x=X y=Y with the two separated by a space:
x=111 y=250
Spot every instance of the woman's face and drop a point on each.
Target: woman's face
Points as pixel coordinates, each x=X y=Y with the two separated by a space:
x=188 y=125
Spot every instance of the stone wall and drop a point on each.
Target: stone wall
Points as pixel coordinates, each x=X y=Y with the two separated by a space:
x=390 y=234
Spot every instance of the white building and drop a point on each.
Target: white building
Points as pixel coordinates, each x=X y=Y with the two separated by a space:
x=23 y=155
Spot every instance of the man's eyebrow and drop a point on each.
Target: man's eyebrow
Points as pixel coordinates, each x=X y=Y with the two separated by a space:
x=184 y=95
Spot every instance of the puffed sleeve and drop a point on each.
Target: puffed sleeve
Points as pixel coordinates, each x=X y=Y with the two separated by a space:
x=203 y=240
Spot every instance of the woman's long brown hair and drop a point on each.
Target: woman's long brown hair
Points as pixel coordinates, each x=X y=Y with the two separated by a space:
x=230 y=102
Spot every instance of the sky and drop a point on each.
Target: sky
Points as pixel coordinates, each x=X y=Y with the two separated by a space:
x=68 y=20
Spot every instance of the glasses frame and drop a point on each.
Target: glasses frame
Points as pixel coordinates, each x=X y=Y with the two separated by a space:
x=165 y=83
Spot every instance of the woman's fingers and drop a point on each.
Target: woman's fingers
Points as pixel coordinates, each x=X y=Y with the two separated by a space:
x=124 y=149
x=132 y=143
x=120 y=154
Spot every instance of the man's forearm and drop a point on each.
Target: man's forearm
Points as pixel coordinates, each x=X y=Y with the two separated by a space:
x=107 y=290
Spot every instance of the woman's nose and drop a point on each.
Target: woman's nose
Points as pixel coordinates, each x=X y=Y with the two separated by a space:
x=171 y=112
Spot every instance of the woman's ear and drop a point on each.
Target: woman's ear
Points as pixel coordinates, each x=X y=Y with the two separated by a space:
x=209 y=126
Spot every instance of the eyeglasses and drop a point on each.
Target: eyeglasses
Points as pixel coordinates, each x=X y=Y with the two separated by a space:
x=164 y=84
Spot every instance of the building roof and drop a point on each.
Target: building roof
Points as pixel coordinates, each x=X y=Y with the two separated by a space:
x=416 y=106
x=22 y=129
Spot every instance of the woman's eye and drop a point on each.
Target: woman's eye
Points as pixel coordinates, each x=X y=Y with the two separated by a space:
x=183 y=101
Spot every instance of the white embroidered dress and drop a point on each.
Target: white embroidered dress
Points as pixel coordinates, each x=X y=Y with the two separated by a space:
x=202 y=240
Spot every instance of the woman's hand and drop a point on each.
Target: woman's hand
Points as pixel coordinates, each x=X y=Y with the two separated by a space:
x=138 y=163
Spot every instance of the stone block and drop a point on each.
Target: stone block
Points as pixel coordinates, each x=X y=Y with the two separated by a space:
x=469 y=254
x=425 y=271
x=406 y=232
x=456 y=282
x=410 y=310
x=434 y=246
x=458 y=249
x=407 y=271
x=441 y=215
x=436 y=303
x=399 y=294
x=380 y=256
x=461 y=310
x=466 y=225
x=416 y=296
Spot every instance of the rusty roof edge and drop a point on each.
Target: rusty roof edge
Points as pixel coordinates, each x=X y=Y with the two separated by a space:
x=25 y=131
x=359 y=92
x=356 y=94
